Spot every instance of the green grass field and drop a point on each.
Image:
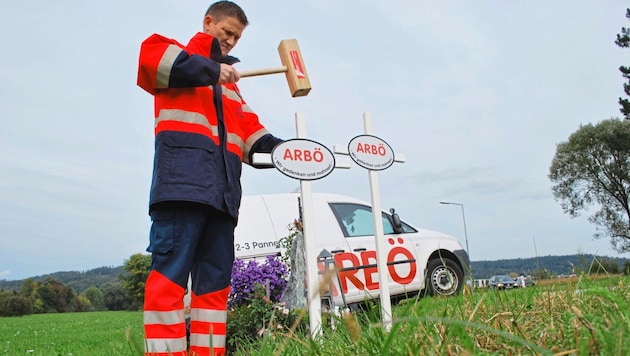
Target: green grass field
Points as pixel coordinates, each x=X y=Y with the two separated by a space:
x=76 y=334
x=579 y=316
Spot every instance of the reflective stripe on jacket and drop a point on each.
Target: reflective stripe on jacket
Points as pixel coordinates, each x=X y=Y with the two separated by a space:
x=203 y=131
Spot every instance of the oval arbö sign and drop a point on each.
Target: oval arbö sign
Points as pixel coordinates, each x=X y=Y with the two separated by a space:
x=370 y=152
x=303 y=159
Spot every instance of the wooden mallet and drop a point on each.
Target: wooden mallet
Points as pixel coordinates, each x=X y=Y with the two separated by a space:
x=292 y=66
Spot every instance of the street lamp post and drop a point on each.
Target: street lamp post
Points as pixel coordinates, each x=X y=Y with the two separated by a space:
x=463 y=218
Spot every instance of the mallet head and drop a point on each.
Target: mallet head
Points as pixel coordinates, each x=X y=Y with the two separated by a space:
x=296 y=74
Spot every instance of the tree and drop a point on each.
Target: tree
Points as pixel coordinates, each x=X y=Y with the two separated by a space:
x=53 y=296
x=623 y=41
x=114 y=296
x=95 y=297
x=592 y=168
x=13 y=304
x=604 y=266
x=28 y=287
x=49 y=299
x=134 y=279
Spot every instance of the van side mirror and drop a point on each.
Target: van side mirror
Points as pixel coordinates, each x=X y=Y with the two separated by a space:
x=396 y=221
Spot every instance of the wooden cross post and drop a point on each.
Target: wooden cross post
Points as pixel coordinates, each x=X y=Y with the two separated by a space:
x=374 y=154
x=322 y=162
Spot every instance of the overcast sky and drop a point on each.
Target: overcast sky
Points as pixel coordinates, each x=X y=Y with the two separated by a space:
x=475 y=94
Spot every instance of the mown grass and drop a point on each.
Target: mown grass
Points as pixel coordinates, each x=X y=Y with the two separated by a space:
x=96 y=333
x=579 y=316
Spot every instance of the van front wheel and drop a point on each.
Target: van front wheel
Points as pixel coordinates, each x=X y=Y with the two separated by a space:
x=444 y=277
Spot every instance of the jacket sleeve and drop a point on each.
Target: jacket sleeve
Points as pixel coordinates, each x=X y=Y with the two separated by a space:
x=164 y=63
x=265 y=144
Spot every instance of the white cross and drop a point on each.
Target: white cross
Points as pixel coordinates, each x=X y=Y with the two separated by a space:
x=312 y=275
x=381 y=248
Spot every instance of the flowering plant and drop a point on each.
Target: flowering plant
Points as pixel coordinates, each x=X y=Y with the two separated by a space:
x=254 y=307
x=271 y=275
x=260 y=318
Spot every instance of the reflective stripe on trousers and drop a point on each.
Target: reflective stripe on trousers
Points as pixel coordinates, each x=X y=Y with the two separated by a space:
x=164 y=324
x=208 y=316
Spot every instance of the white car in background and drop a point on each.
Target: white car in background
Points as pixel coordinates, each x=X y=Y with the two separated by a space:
x=419 y=260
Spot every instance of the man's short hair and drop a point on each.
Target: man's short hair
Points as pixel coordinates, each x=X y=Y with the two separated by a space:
x=222 y=9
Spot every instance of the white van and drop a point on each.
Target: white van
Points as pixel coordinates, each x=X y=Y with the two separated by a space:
x=418 y=259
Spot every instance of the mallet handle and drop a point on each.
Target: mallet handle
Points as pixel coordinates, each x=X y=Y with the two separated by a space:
x=256 y=72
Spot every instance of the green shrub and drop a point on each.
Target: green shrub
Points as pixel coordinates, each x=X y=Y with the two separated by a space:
x=257 y=318
x=12 y=304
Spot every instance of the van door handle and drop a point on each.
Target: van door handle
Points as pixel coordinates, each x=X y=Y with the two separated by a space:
x=360 y=249
x=337 y=251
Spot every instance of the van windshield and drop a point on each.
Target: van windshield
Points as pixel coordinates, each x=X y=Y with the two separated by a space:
x=356 y=220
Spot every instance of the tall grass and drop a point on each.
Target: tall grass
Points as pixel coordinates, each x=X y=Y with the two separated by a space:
x=579 y=316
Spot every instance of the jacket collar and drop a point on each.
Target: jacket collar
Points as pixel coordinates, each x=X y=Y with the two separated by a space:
x=210 y=47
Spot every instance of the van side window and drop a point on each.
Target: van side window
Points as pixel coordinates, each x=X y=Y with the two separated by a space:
x=357 y=220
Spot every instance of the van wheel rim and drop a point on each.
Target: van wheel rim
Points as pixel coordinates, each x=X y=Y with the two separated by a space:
x=444 y=280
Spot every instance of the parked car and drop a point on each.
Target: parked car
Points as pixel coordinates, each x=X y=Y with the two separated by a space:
x=525 y=281
x=501 y=281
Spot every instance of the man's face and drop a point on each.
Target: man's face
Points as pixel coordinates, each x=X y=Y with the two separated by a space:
x=228 y=31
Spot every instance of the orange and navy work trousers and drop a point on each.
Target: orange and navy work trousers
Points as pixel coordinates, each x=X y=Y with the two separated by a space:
x=196 y=240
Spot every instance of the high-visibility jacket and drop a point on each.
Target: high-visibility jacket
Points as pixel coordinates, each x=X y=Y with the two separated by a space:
x=203 y=131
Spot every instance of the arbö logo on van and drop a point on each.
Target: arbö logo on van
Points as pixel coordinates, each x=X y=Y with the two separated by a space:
x=370 y=152
x=358 y=270
x=303 y=159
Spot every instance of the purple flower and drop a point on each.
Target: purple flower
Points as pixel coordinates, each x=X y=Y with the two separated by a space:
x=246 y=276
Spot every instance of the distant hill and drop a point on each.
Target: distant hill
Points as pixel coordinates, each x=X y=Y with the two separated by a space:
x=554 y=265
x=80 y=281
